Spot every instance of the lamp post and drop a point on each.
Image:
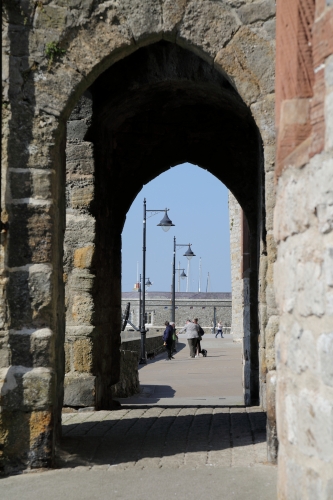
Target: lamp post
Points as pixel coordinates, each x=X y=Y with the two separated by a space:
x=188 y=254
x=165 y=224
x=182 y=276
x=148 y=284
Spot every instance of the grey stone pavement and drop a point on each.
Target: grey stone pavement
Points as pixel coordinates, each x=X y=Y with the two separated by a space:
x=186 y=449
x=215 y=380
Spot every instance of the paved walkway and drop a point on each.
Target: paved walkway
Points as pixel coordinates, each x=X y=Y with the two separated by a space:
x=212 y=381
x=159 y=451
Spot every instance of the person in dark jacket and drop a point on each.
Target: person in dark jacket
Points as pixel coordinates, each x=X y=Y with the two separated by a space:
x=174 y=337
x=167 y=339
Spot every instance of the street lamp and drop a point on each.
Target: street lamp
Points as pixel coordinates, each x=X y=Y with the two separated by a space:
x=165 y=224
x=189 y=254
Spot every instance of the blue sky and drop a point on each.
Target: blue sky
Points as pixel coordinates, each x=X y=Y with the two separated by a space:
x=198 y=204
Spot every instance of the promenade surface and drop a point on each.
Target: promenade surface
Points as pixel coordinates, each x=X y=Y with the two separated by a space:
x=185 y=436
x=214 y=380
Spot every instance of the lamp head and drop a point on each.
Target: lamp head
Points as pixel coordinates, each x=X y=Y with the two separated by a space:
x=148 y=283
x=183 y=275
x=165 y=223
x=189 y=254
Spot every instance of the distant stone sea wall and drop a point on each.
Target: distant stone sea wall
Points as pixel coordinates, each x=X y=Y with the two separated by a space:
x=188 y=305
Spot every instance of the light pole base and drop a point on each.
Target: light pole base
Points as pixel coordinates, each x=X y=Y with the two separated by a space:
x=142 y=361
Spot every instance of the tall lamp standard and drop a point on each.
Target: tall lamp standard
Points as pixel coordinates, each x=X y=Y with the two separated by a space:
x=148 y=284
x=165 y=224
x=189 y=254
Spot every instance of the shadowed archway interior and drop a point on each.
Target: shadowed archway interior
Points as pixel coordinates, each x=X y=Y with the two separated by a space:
x=162 y=106
x=158 y=107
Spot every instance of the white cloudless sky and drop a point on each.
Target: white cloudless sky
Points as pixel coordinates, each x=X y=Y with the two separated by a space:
x=198 y=204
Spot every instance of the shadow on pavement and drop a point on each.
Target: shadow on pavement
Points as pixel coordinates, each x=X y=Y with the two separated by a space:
x=179 y=347
x=141 y=436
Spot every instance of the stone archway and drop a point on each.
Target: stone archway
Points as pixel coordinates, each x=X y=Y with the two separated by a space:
x=158 y=107
x=41 y=94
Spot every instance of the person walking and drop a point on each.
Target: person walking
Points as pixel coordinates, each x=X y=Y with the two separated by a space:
x=192 y=334
x=174 y=337
x=198 y=345
x=219 y=330
x=167 y=339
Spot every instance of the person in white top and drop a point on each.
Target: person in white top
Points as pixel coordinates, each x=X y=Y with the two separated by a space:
x=192 y=331
x=219 y=330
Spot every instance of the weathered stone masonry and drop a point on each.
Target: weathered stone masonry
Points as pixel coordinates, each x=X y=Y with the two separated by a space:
x=188 y=305
x=170 y=81
x=91 y=314
x=303 y=228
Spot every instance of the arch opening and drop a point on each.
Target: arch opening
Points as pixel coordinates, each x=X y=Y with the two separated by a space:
x=158 y=107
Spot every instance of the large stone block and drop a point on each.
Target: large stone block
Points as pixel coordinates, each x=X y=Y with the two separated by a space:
x=25 y=437
x=143 y=19
x=81 y=280
x=32 y=348
x=78 y=152
x=81 y=196
x=30 y=235
x=207 y=27
x=30 y=184
x=77 y=130
x=83 y=257
x=300 y=348
x=29 y=295
x=325 y=355
x=82 y=355
x=80 y=390
x=80 y=233
x=249 y=61
x=82 y=309
x=263 y=113
x=304 y=199
x=50 y=17
x=256 y=11
x=173 y=12
x=83 y=109
x=26 y=389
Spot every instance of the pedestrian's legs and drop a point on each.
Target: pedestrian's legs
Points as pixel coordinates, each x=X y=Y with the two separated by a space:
x=170 y=351
x=192 y=344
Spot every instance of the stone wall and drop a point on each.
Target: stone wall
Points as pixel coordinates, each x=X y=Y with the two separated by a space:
x=303 y=228
x=188 y=305
x=128 y=384
x=201 y=66
x=154 y=342
x=235 y=210
x=90 y=368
